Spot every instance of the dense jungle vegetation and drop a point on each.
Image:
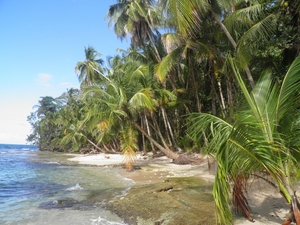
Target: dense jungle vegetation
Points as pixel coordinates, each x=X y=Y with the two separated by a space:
x=220 y=77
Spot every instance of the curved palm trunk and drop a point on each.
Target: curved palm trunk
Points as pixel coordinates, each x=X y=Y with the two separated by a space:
x=92 y=143
x=158 y=132
x=168 y=152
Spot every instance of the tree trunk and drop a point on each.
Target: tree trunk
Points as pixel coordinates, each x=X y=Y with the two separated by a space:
x=157 y=129
x=154 y=46
x=169 y=126
x=92 y=143
x=232 y=41
x=149 y=132
x=166 y=126
x=222 y=101
x=168 y=152
x=195 y=86
x=229 y=97
x=213 y=96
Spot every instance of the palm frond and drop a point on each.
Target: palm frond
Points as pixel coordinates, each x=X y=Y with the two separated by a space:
x=143 y=100
x=128 y=139
x=221 y=194
x=262 y=29
x=289 y=90
x=241 y=18
x=217 y=130
x=202 y=50
x=169 y=61
x=172 y=41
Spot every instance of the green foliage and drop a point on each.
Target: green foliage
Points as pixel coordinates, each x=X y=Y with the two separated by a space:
x=258 y=140
x=203 y=65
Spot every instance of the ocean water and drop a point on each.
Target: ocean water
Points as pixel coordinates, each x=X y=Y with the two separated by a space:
x=36 y=189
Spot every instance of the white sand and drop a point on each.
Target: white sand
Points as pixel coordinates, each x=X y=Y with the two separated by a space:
x=99 y=159
x=267 y=205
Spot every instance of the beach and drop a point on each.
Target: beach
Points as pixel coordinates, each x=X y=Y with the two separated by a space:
x=267 y=205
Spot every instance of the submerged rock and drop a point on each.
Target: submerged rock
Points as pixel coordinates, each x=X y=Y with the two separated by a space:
x=176 y=201
x=59 y=204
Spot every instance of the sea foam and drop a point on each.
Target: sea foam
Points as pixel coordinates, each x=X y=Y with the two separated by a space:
x=75 y=188
x=101 y=221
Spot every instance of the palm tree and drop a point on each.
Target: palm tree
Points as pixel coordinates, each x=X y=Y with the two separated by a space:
x=90 y=70
x=244 y=24
x=137 y=18
x=46 y=105
x=127 y=102
x=261 y=139
x=195 y=51
x=43 y=121
x=76 y=137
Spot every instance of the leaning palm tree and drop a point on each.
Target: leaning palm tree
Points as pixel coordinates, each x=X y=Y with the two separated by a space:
x=76 y=137
x=261 y=139
x=117 y=112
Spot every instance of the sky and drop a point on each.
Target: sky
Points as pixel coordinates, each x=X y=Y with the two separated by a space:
x=40 y=43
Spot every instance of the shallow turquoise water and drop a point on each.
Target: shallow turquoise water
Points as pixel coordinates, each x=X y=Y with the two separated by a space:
x=33 y=184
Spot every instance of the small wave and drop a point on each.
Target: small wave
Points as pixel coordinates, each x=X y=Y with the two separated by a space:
x=101 y=221
x=75 y=188
x=56 y=163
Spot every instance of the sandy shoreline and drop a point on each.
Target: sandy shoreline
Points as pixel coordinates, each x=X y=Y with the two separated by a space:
x=267 y=206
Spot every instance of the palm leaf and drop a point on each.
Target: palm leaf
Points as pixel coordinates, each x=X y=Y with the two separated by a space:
x=289 y=90
x=217 y=130
x=143 y=100
x=262 y=29
x=169 y=61
x=241 y=18
x=221 y=194
x=253 y=143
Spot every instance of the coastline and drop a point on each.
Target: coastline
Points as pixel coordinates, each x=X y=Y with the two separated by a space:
x=266 y=203
x=148 y=169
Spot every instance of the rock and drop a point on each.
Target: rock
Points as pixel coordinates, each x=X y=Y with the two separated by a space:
x=191 y=204
x=59 y=204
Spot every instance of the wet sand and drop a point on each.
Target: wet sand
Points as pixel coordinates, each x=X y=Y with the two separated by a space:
x=267 y=205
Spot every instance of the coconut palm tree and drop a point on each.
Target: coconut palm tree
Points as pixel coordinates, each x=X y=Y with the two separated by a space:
x=195 y=53
x=137 y=18
x=90 y=70
x=76 y=136
x=132 y=100
x=45 y=131
x=260 y=140
x=244 y=24
x=46 y=105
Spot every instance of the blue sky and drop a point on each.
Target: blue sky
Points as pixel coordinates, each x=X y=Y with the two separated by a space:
x=40 y=43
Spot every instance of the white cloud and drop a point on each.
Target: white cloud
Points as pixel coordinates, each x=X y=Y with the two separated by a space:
x=44 y=79
x=66 y=84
